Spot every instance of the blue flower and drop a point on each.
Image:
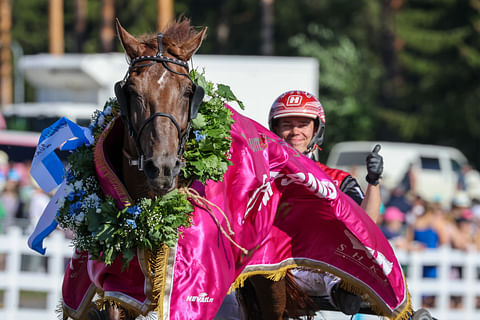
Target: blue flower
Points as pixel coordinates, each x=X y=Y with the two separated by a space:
x=80 y=193
x=199 y=136
x=69 y=177
x=134 y=211
x=71 y=196
x=74 y=207
x=131 y=223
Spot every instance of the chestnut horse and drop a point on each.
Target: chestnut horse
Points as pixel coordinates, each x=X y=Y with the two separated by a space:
x=158 y=100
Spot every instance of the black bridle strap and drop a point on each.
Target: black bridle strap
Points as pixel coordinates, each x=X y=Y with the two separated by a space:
x=156 y=59
x=151 y=60
x=159 y=114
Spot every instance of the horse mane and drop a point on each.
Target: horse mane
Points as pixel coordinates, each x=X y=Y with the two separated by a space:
x=174 y=35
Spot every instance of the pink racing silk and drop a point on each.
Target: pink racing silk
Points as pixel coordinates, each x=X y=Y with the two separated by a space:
x=286 y=212
x=274 y=209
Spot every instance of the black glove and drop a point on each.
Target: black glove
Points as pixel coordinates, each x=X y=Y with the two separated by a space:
x=374 y=166
x=345 y=301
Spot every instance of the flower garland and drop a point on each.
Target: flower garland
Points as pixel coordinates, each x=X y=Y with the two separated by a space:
x=106 y=232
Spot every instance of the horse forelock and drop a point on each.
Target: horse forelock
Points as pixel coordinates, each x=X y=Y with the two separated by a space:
x=175 y=34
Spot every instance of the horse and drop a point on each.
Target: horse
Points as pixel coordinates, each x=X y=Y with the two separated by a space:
x=158 y=101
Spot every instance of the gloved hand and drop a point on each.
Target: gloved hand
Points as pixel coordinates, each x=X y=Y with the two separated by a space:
x=374 y=166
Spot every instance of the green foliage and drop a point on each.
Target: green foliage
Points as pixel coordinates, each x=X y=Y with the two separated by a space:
x=102 y=229
x=107 y=232
x=206 y=154
x=439 y=61
x=30 y=25
x=348 y=82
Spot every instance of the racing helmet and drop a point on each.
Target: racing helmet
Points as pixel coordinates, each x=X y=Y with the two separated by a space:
x=299 y=103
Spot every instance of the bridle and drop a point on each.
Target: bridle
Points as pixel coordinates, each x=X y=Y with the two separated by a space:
x=122 y=97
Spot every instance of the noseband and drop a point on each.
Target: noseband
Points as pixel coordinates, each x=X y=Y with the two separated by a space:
x=122 y=97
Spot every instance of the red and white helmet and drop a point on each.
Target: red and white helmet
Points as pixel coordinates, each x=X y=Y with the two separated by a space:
x=299 y=103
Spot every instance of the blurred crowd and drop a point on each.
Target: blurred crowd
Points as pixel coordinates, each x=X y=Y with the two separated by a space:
x=413 y=223
x=22 y=201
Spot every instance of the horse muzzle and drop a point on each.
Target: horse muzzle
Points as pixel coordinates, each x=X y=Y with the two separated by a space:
x=162 y=174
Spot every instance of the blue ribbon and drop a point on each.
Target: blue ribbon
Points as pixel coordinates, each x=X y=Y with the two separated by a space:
x=48 y=171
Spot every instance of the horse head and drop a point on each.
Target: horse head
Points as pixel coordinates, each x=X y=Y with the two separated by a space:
x=158 y=100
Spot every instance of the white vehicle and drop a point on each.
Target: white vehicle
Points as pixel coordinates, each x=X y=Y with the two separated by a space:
x=436 y=168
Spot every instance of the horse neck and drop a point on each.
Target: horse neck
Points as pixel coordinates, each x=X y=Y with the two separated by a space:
x=134 y=179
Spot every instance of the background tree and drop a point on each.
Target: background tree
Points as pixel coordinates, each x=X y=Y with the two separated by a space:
x=391 y=69
x=439 y=58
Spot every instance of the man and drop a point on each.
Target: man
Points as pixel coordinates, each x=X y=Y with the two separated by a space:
x=298 y=118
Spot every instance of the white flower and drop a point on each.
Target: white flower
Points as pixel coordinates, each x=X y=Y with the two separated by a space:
x=78 y=185
x=69 y=188
x=101 y=120
x=92 y=200
x=60 y=202
x=98 y=210
x=79 y=218
x=107 y=111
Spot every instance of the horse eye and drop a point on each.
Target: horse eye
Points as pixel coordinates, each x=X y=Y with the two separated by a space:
x=131 y=90
x=188 y=92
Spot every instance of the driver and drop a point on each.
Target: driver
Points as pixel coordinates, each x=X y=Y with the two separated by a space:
x=298 y=118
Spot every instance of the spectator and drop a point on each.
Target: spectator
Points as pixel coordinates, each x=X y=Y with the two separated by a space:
x=430 y=230
x=408 y=181
x=398 y=198
x=38 y=202
x=393 y=227
x=11 y=200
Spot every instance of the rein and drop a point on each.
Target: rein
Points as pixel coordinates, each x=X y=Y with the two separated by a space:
x=121 y=94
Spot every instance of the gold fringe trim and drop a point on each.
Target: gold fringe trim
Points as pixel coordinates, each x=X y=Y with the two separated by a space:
x=157 y=266
x=105 y=302
x=201 y=201
x=407 y=309
x=404 y=314
x=60 y=311
x=347 y=284
x=274 y=275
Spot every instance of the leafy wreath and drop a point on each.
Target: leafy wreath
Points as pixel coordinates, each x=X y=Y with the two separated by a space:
x=106 y=232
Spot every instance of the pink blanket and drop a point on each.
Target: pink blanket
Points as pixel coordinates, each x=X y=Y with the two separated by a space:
x=286 y=212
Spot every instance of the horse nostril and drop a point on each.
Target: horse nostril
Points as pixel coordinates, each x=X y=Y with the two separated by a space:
x=151 y=170
x=166 y=171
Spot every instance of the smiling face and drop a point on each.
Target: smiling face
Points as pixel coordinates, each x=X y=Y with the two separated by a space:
x=296 y=131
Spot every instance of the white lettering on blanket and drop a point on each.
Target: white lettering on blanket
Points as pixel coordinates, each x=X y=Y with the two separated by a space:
x=202 y=297
x=380 y=258
x=321 y=188
x=264 y=191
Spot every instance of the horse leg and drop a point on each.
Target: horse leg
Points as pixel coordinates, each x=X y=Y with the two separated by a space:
x=111 y=311
x=271 y=297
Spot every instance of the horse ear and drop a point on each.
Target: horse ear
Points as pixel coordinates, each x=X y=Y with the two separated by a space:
x=130 y=44
x=189 y=47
